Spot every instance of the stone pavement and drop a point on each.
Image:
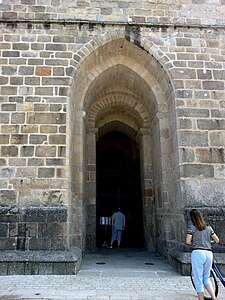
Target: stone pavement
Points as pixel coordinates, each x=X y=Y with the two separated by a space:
x=126 y=274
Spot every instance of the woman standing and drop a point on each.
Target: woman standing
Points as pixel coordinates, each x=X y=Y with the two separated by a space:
x=200 y=236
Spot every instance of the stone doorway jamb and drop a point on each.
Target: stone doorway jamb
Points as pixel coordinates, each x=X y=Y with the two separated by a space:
x=77 y=216
x=91 y=194
x=144 y=139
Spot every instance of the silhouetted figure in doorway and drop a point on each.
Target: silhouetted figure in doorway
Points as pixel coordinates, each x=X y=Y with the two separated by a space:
x=118 y=226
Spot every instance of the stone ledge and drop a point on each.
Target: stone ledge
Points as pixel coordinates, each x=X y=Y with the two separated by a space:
x=181 y=260
x=40 y=262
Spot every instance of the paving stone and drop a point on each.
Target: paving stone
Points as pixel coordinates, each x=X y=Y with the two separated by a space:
x=124 y=276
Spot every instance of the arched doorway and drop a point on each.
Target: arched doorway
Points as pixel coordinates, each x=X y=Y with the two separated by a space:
x=121 y=87
x=119 y=185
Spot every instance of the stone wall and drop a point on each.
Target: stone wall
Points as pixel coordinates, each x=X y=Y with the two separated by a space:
x=44 y=47
x=33 y=228
x=165 y=11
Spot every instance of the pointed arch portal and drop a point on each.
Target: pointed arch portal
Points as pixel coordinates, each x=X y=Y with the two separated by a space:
x=120 y=146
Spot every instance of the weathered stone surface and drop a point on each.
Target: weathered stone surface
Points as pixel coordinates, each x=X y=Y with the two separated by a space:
x=19 y=139
x=7 y=172
x=9 y=151
x=45 y=151
x=204 y=74
x=27 y=151
x=17 y=118
x=211 y=124
x=40 y=262
x=196 y=171
x=203 y=192
x=220 y=171
x=26 y=224
x=37 y=139
x=193 y=112
x=217 y=139
x=46 y=118
x=213 y=85
x=212 y=155
x=187 y=155
x=7 y=197
x=193 y=138
x=57 y=139
x=46 y=172
x=4 y=139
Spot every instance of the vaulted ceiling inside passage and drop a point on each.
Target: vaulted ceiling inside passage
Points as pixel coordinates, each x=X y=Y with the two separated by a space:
x=120 y=78
x=119 y=94
x=117 y=126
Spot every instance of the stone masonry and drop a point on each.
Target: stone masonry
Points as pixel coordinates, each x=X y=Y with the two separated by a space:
x=72 y=71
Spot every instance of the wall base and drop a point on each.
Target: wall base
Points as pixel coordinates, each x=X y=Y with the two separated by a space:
x=181 y=261
x=40 y=262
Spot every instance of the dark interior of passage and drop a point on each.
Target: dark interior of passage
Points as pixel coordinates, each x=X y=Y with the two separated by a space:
x=119 y=185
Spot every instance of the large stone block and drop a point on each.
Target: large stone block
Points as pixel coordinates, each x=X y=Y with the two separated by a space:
x=25 y=70
x=26 y=151
x=204 y=74
x=19 y=139
x=193 y=112
x=218 y=114
x=211 y=124
x=217 y=139
x=213 y=85
x=183 y=42
x=39 y=243
x=220 y=171
x=3 y=230
x=193 y=138
x=211 y=155
x=18 y=118
x=4 y=139
x=7 y=197
x=9 y=90
x=33 y=228
x=37 y=138
x=57 y=139
x=203 y=192
x=46 y=118
x=45 y=151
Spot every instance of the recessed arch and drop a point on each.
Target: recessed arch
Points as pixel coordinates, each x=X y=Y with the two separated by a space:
x=122 y=106
x=145 y=84
x=108 y=39
x=146 y=60
x=119 y=86
x=119 y=126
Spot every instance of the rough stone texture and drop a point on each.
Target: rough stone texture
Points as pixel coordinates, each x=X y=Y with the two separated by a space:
x=33 y=228
x=74 y=71
x=181 y=260
x=204 y=192
x=40 y=262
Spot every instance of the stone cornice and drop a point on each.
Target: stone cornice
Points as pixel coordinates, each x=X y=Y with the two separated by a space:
x=92 y=23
